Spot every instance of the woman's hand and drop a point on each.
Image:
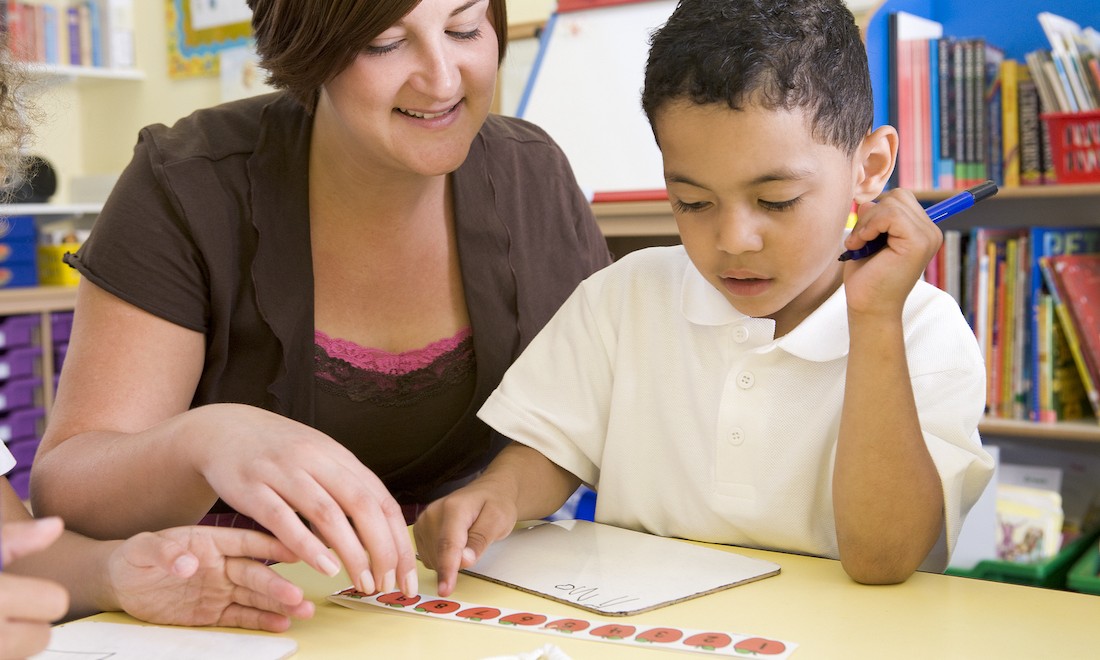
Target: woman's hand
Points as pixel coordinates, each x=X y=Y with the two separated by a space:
x=278 y=471
x=28 y=605
x=206 y=576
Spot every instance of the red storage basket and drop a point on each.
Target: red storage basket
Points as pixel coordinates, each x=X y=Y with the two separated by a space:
x=1075 y=145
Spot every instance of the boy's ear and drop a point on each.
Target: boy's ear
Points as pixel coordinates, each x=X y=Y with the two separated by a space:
x=875 y=160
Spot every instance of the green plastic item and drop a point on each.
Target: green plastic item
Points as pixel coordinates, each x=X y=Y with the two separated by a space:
x=1084 y=575
x=1050 y=574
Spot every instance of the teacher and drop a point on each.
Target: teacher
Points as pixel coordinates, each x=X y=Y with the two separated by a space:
x=292 y=306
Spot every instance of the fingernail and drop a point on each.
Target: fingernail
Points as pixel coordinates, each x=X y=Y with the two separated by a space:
x=389 y=581
x=412 y=584
x=366 y=582
x=469 y=557
x=327 y=566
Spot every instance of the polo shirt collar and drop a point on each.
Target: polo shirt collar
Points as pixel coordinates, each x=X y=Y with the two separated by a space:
x=821 y=337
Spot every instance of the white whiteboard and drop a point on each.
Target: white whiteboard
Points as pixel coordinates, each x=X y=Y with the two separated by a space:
x=585 y=91
x=613 y=571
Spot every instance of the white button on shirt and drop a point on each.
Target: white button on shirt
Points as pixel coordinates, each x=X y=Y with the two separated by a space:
x=635 y=387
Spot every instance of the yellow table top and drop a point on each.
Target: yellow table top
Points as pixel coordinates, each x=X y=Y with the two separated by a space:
x=812 y=603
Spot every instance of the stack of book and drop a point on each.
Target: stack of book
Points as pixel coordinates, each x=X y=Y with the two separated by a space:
x=966 y=113
x=1032 y=296
x=93 y=33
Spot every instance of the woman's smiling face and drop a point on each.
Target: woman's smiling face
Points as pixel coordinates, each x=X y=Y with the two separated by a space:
x=416 y=96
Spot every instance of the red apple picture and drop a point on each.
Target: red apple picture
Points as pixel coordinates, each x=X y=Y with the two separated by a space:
x=568 y=625
x=660 y=635
x=352 y=592
x=759 y=646
x=523 y=619
x=479 y=613
x=709 y=641
x=613 y=631
x=438 y=607
x=397 y=599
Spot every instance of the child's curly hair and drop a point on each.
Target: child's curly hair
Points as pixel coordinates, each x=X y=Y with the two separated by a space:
x=14 y=128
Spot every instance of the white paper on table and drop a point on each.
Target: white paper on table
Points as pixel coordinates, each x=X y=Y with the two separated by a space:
x=101 y=640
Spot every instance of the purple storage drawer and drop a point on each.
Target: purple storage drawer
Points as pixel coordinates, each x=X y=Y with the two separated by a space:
x=61 y=325
x=20 y=479
x=20 y=393
x=20 y=362
x=20 y=330
x=23 y=451
x=59 y=353
x=22 y=424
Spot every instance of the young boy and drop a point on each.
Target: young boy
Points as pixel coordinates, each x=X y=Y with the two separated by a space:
x=748 y=388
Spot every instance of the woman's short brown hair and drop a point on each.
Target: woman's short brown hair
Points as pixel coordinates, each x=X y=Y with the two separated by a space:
x=304 y=43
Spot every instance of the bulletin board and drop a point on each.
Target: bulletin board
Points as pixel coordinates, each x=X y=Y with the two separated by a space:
x=199 y=29
x=585 y=91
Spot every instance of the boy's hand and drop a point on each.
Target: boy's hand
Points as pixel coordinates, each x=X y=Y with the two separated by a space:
x=454 y=531
x=206 y=576
x=880 y=283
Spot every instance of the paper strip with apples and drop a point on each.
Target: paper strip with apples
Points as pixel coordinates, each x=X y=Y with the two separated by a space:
x=663 y=637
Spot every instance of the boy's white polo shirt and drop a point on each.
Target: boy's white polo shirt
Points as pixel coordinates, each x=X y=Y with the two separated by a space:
x=691 y=421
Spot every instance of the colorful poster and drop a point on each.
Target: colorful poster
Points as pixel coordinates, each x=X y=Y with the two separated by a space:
x=199 y=29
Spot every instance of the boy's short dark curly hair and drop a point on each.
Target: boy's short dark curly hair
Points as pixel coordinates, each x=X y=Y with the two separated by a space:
x=781 y=54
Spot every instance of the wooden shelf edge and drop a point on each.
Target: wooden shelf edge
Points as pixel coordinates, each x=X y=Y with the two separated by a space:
x=1078 y=431
x=635 y=218
x=32 y=299
x=1059 y=191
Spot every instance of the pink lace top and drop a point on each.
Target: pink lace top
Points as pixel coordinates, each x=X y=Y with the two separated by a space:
x=390 y=408
x=379 y=361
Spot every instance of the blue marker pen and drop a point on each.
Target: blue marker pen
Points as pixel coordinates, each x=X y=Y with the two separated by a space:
x=936 y=212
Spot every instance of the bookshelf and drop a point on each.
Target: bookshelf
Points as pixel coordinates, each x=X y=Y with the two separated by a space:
x=1011 y=25
x=67 y=74
x=1065 y=205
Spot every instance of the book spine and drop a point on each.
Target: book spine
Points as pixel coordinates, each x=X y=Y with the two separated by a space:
x=1044 y=342
x=1070 y=335
x=1010 y=122
x=992 y=144
x=72 y=19
x=946 y=172
x=84 y=18
x=932 y=57
x=958 y=63
x=1031 y=146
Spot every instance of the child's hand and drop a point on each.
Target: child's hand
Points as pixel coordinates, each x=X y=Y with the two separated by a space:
x=28 y=605
x=206 y=576
x=454 y=531
x=880 y=283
